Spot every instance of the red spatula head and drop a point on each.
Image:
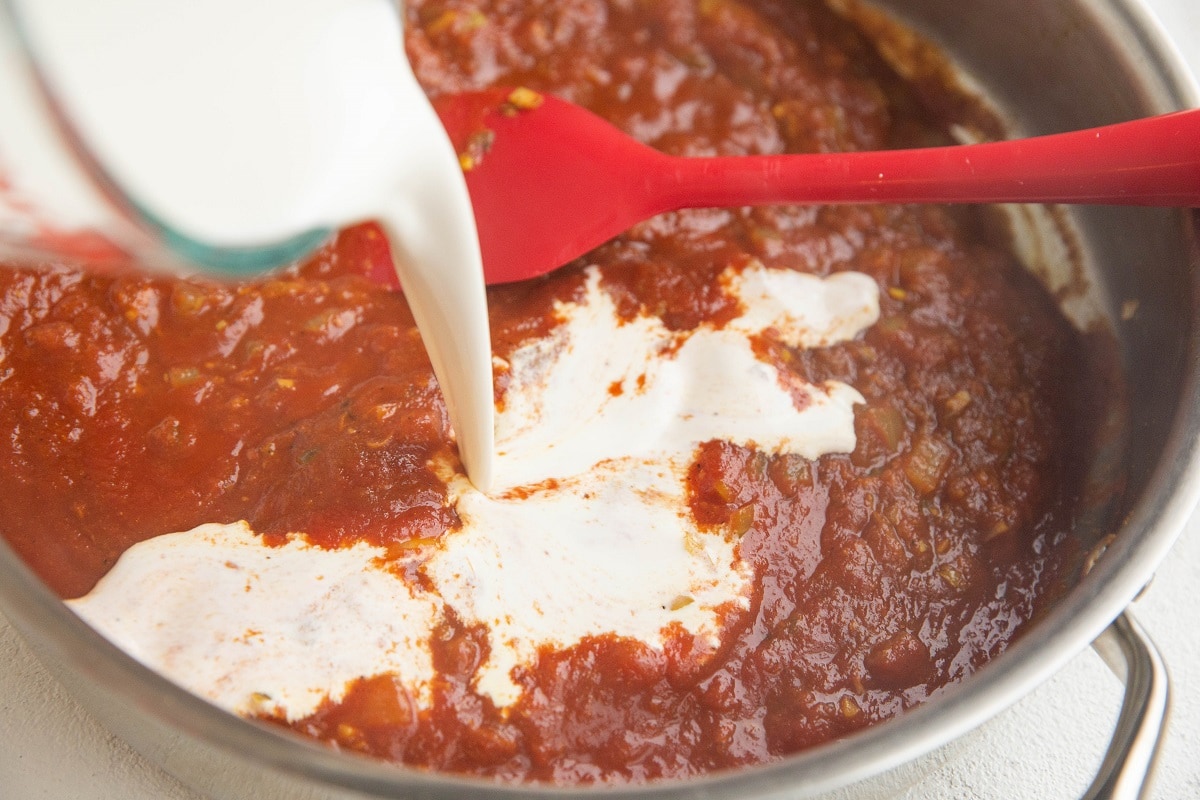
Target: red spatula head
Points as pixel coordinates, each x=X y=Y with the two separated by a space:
x=549 y=181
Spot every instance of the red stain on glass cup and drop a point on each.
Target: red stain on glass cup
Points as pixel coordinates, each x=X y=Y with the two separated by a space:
x=27 y=235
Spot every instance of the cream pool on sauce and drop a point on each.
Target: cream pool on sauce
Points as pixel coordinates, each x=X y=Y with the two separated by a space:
x=587 y=533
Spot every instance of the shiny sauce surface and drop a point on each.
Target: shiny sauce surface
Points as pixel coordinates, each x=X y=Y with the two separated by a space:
x=133 y=406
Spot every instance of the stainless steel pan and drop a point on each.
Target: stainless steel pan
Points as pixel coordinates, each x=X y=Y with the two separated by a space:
x=1048 y=65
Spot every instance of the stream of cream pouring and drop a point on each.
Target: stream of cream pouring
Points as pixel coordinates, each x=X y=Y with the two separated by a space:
x=246 y=122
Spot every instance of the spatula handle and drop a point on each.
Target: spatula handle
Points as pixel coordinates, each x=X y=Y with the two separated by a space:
x=1150 y=162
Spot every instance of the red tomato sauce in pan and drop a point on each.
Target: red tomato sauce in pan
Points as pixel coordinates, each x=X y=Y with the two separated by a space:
x=135 y=406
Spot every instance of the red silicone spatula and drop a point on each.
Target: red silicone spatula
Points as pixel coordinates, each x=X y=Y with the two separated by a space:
x=550 y=181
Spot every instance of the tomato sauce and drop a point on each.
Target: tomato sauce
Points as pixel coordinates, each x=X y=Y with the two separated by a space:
x=134 y=406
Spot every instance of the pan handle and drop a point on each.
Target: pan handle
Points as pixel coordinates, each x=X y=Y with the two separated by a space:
x=1128 y=766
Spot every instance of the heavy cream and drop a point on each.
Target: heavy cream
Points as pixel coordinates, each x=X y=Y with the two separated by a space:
x=587 y=533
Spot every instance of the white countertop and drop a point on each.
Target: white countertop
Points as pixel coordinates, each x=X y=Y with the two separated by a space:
x=1046 y=746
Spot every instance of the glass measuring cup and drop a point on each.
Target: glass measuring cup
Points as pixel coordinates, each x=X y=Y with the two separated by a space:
x=226 y=139
x=58 y=202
